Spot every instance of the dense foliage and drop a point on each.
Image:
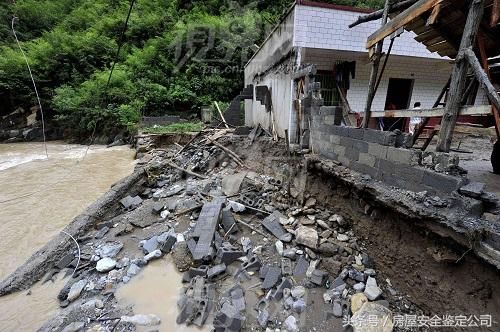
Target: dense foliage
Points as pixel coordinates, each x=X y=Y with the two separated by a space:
x=177 y=55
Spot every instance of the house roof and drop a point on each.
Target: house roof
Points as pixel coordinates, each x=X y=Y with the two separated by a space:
x=439 y=25
x=333 y=6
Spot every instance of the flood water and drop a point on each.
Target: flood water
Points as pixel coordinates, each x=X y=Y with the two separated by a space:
x=38 y=198
x=158 y=278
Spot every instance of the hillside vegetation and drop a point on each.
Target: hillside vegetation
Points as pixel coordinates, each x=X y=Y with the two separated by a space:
x=176 y=56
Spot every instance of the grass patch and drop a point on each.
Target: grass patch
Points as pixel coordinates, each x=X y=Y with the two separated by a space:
x=175 y=128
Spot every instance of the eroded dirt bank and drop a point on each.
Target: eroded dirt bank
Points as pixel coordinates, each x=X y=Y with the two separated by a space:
x=293 y=245
x=439 y=275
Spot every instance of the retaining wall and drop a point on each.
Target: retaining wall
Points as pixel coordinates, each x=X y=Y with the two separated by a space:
x=383 y=155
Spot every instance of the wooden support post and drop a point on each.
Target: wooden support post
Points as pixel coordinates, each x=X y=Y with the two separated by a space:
x=495 y=13
x=486 y=67
x=482 y=78
x=458 y=75
x=374 y=72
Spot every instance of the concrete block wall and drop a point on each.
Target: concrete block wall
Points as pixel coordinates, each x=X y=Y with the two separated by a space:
x=378 y=154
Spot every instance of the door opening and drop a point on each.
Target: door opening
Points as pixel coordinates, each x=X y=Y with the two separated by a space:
x=399 y=94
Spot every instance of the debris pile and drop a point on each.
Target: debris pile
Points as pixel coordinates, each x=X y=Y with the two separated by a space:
x=252 y=256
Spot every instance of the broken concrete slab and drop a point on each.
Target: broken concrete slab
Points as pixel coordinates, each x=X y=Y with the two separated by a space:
x=109 y=249
x=278 y=293
x=205 y=229
x=272 y=276
x=473 y=189
x=319 y=277
x=273 y=225
x=228 y=222
x=231 y=184
x=228 y=318
x=216 y=271
x=130 y=202
x=193 y=272
x=301 y=267
x=167 y=241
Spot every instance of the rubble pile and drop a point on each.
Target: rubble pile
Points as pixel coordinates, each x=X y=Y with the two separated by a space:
x=252 y=256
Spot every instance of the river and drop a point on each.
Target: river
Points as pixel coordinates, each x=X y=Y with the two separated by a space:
x=38 y=198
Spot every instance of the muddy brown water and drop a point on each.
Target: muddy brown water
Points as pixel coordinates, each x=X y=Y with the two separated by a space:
x=38 y=198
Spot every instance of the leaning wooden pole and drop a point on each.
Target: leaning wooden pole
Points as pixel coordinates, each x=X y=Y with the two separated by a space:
x=482 y=78
x=374 y=72
x=458 y=76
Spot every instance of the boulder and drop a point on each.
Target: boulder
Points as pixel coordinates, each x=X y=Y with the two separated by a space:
x=307 y=236
x=76 y=289
x=105 y=265
x=373 y=317
x=357 y=301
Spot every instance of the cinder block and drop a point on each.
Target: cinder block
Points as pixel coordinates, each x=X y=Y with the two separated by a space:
x=334 y=139
x=408 y=173
x=329 y=120
x=378 y=150
x=360 y=146
x=442 y=182
x=340 y=131
x=346 y=141
x=387 y=138
x=367 y=159
x=355 y=133
x=365 y=169
x=340 y=150
x=404 y=156
x=344 y=161
x=352 y=153
x=386 y=167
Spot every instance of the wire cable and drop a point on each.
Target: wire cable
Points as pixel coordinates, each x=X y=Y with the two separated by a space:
x=34 y=84
x=79 y=252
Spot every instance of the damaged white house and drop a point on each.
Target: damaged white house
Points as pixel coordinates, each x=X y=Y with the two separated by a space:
x=313 y=43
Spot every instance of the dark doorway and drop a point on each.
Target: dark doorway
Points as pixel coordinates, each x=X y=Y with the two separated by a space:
x=399 y=94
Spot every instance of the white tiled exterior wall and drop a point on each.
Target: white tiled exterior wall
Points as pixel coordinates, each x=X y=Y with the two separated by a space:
x=323 y=37
x=326 y=28
x=429 y=76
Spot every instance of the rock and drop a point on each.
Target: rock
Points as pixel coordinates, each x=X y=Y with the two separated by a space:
x=298 y=292
x=109 y=249
x=153 y=255
x=236 y=207
x=92 y=304
x=372 y=291
x=290 y=253
x=133 y=270
x=322 y=224
x=357 y=301
x=290 y=324
x=337 y=309
x=326 y=234
x=370 y=272
x=182 y=256
x=338 y=219
x=342 y=238
x=373 y=317
x=332 y=266
x=299 y=306
x=328 y=249
x=359 y=287
x=310 y=203
x=150 y=245
x=76 y=289
x=142 y=320
x=279 y=247
x=473 y=189
x=74 y=327
x=307 y=236
x=105 y=265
